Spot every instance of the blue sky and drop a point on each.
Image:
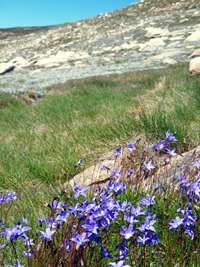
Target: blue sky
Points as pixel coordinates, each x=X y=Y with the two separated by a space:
x=47 y=12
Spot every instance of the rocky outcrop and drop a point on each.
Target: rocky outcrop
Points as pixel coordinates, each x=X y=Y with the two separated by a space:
x=151 y=34
x=165 y=176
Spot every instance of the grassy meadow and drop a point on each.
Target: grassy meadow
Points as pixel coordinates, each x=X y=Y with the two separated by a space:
x=42 y=141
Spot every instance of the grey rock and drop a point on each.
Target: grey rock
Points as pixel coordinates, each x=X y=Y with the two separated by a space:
x=6 y=68
x=194 y=66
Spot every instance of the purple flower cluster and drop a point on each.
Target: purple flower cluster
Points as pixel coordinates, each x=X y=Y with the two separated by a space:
x=85 y=221
x=187 y=219
x=166 y=144
x=12 y=234
x=190 y=189
x=98 y=216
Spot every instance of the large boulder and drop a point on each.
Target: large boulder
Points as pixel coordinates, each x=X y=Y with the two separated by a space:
x=194 y=66
x=5 y=68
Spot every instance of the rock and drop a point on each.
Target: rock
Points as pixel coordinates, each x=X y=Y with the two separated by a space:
x=156 y=32
x=99 y=171
x=196 y=53
x=168 y=176
x=20 y=62
x=194 y=66
x=194 y=37
x=60 y=58
x=169 y=61
x=6 y=68
x=152 y=45
x=126 y=46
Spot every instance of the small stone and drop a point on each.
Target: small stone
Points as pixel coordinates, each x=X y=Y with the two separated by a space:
x=194 y=37
x=169 y=61
x=194 y=66
x=196 y=53
x=6 y=68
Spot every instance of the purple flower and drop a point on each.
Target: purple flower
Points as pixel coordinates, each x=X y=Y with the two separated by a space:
x=147 y=225
x=48 y=234
x=194 y=190
x=148 y=165
x=123 y=206
x=80 y=190
x=53 y=205
x=18 y=264
x=130 y=218
x=15 y=232
x=28 y=253
x=161 y=145
x=123 y=252
x=80 y=239
x=137 y=211
x=109 y=204
x=183 y=183
x=67 y=245
x=176 y=223
x=105 y=253
x=148 y=238
x=91 y=226
x=117 y=186
x=171 y=152
x=187 y=222
x=98 y=213
x=116 y=173
x=147 y=201
x=73 y=210
x=131 y=146
x=118 y=152
x=128 y=232
x=142 y=239
x=12 y=196
x=170 y=137
x=62 y=217
x=118 y=264
x=196 y=164
x=121 y=245
x=130 y=172
x=46 y=220
x=105 y=222
x=29 y=242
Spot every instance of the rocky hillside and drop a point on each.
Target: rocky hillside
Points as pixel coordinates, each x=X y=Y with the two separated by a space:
x=150 y=34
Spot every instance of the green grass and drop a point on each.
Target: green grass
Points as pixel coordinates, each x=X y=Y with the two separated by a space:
x=177 y=109
x=83 y=119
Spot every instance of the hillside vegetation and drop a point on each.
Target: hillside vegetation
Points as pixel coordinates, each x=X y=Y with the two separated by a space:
x=41 y=142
